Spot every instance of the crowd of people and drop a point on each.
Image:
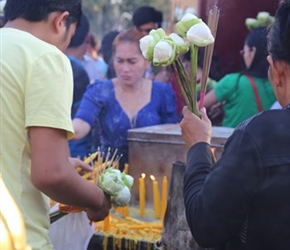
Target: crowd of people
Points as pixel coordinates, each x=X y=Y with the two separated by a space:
x=68 y=97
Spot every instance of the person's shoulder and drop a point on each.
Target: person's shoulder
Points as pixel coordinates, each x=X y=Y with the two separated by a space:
x=101 y=86
x=28 y=42
x=230 y=76
x=263 y=120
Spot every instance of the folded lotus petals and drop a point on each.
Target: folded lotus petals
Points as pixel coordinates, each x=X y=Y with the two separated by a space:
x=200 y=35
x=181 y=45
x=164 y=52
x=147 y=43
x=186 y=23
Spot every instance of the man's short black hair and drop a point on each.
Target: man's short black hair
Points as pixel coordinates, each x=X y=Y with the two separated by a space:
x=81 y=32
x=147 y=14
x=38 y=10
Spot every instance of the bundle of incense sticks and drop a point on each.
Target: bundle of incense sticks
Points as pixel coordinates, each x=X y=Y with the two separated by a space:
x=212 y=23
x=99 y=165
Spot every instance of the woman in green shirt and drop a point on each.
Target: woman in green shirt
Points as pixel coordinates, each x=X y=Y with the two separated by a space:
x=246 y=93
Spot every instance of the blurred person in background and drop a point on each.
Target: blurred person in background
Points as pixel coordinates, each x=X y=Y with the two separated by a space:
x=127 y=101
x=78 y=48
x=248 y=92
x=106 y=51
x=76 y=53
x=145 y=18
x=79 y=148
x=93 y=52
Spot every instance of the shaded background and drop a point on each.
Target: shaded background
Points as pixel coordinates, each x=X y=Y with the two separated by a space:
x=107 y=15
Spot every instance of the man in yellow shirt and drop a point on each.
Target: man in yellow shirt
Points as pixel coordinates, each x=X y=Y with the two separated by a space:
x=36 y=88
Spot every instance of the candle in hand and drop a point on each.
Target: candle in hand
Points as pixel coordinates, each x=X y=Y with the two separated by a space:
x=156 y=197
x=164 y=196
x=142 y=195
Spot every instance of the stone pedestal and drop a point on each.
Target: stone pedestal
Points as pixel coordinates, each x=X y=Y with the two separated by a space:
x=176 y=234
x=153 y=150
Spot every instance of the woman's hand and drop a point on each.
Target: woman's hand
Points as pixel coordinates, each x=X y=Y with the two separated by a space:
x=195 y=129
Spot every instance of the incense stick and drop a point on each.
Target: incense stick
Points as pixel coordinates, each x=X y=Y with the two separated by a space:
x=212 y=24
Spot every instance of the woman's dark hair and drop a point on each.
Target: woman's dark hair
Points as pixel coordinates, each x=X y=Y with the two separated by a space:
x=38 y=10
x=279 y=35
x=258 y=38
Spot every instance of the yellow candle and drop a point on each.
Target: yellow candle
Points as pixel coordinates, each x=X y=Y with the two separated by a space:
x=126 y=168
x=91 y=157
x=118 y=210
x=164 y=196
x=121 y=211
x=125 y=211
x=142 y=195
x=106 y=223
x=156 y=197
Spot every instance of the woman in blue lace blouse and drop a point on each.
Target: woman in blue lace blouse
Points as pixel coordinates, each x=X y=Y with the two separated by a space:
x=127 y=101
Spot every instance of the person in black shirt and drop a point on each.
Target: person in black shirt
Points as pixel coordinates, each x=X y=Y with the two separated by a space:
x=242 y=201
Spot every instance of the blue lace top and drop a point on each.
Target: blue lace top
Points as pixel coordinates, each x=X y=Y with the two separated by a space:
x=99 y=102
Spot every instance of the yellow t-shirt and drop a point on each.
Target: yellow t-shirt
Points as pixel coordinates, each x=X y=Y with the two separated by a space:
x=36 y=88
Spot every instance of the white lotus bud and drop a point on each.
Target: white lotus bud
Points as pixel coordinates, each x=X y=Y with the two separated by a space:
x=178 y=13
x=187 y=21
x=264 y=19
x=181 y=45
x=147 y=43
x=164 y=52
x=200 y=35
x=128 y=180
x=111 y=182
x=122 y=198
x=251 y=23
x=263 y=16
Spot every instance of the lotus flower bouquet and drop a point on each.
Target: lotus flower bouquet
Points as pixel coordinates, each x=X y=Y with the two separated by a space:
x=118 y=185
x=263 y=19
x=105 y=174
x=163 y=50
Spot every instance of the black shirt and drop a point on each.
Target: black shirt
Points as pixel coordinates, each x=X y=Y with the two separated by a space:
x=243 y=200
